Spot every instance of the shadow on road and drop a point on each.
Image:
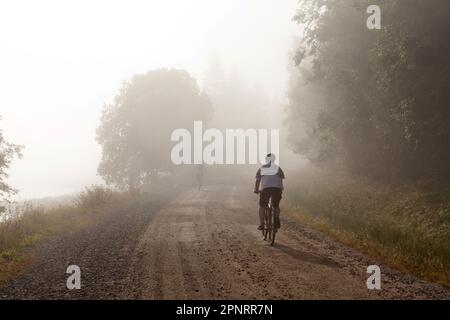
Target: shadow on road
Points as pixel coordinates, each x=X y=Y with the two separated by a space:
x=306 y=257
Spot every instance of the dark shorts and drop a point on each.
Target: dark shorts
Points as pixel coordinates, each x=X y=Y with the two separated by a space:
x=267 y=193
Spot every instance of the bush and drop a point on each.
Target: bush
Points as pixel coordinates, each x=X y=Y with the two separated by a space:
x=94 y=197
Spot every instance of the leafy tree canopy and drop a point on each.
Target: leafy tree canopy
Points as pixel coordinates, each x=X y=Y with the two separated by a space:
x=135 y=129
x=374 y=102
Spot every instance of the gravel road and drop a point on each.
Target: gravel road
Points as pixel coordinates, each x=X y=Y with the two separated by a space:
x=204 y=245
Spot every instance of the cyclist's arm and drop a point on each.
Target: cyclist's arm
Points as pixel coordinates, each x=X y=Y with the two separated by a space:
x=256 y=189
x=257 y=181
x=281 y=173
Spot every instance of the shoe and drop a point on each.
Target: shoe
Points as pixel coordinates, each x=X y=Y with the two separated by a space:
x=260 y=227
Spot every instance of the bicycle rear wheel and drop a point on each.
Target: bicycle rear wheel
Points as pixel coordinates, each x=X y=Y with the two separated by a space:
x=265 y=230
x=273 y=230
x=270 y=224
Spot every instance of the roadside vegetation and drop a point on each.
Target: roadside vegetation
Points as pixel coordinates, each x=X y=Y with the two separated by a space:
x=369 y=110
x=405 y=227
x=19 y=235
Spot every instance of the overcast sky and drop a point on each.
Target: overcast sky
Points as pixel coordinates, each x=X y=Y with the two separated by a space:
x=60 y=61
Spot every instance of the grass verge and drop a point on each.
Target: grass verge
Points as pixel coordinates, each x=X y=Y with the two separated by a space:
x=403 y=227
x=20 y=235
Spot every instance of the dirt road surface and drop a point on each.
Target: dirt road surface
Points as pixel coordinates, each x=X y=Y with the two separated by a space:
x=204 y=245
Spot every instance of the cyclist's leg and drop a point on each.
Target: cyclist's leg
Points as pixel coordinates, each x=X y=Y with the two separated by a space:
x=276 y=198
x=263 y=202
x=261 y=213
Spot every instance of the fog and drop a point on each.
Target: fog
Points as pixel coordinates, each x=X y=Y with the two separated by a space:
x=61 y=62
x=163 y=110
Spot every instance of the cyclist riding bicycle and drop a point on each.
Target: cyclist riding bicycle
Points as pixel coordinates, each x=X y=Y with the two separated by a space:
x=200 y=173
x=269 y=185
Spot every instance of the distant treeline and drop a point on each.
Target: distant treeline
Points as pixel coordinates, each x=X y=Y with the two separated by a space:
x=375 y=103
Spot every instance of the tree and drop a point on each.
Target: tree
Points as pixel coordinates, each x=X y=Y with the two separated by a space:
x=7 y=153
x=135 y=129
x=374 y=102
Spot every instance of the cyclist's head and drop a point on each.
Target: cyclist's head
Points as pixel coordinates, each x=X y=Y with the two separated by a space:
x=270 y=158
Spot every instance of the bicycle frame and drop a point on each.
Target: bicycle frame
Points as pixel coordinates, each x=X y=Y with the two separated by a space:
x=269 y=220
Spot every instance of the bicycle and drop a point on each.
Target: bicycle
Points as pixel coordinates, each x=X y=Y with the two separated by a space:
x=269 y=222
x=200 y=172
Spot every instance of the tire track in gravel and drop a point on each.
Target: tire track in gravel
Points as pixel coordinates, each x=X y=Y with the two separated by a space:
x=217 y=253
x=204 y=245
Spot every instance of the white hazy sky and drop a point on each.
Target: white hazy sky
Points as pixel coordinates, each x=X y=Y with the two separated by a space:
x=60 y=61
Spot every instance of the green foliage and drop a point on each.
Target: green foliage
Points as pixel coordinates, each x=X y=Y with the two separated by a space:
x=7 y=152
x=135 y=130
x=374 y=102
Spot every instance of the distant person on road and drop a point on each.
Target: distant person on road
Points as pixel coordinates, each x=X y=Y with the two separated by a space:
x=199 y=174
x=269 y=185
